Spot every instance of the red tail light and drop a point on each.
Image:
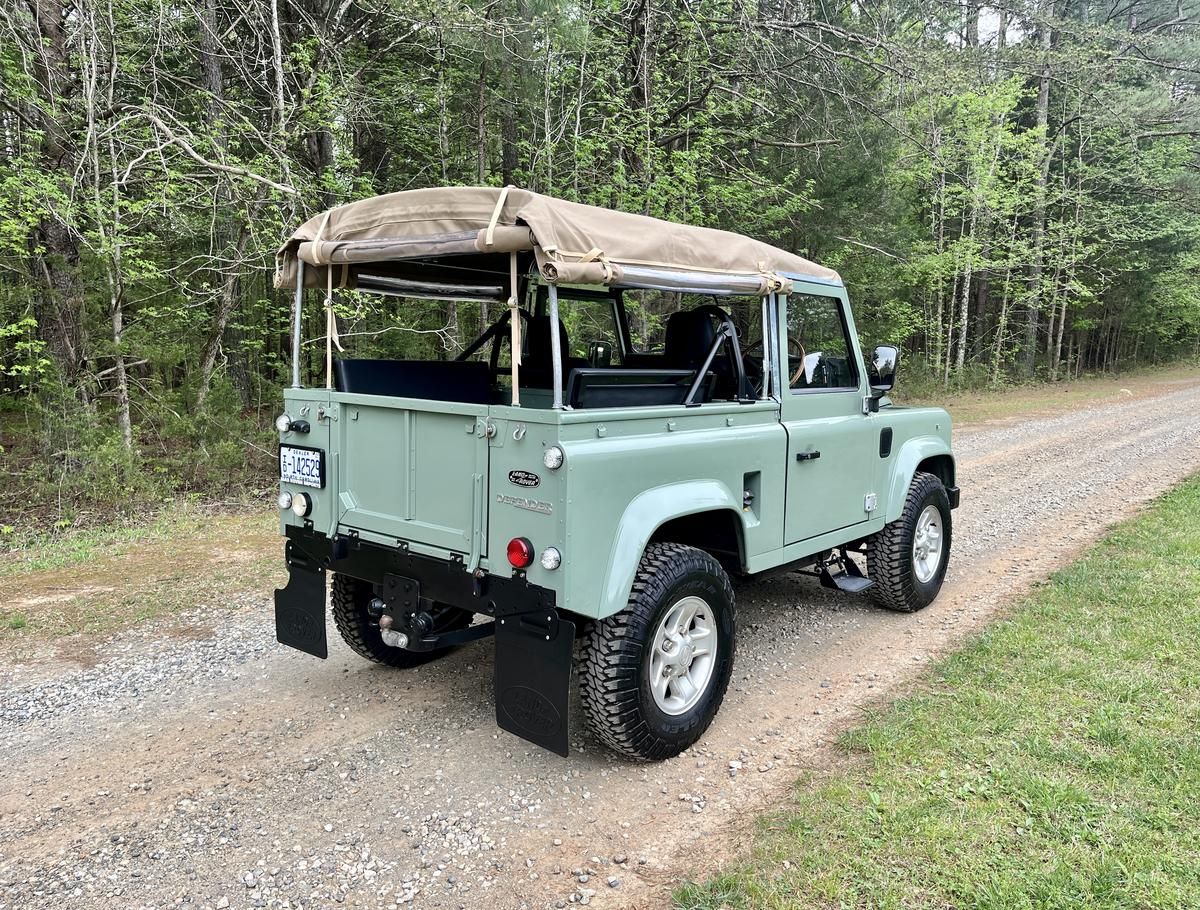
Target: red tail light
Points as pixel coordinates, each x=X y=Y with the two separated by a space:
x=520 y=552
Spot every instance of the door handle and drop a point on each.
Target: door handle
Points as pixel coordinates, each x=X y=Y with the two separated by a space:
x=807 y=456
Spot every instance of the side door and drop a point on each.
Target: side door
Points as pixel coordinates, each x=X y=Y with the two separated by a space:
x=831 y=460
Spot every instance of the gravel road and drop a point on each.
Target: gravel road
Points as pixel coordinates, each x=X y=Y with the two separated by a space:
x=214 y=768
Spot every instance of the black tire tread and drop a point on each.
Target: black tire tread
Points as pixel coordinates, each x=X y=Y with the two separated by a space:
x=889 y=562
x=348 y=599
x=609 y=669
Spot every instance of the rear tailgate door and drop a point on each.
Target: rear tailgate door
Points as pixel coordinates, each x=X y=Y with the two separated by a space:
x=415 y=470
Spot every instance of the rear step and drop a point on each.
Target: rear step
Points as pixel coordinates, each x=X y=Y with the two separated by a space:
x=849 y=580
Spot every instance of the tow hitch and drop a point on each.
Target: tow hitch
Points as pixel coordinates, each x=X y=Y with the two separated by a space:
x=415 y=631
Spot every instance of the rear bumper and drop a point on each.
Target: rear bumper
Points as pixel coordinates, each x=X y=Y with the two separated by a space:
x=533 y=643
x=445 y=580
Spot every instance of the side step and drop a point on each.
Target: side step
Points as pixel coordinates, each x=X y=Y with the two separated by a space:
x=850 y=580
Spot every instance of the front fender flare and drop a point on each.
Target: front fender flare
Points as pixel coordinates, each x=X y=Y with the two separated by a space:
x=644 y=515
x=911 y=454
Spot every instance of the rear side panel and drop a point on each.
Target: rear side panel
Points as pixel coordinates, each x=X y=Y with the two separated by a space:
x=312 y=405
x=686 y=460
x=525 y=498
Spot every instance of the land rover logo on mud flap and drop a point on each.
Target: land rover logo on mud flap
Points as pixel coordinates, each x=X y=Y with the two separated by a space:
x=530 y=710
x=524 y=478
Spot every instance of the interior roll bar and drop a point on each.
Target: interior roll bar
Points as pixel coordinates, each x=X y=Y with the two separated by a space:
x=496 y=328
x=725 y=332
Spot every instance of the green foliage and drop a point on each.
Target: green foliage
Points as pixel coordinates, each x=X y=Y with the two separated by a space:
x=69 y=465
x=995 y=231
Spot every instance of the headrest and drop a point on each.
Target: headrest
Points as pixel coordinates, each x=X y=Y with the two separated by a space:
x=690 y=334
x=537 y=332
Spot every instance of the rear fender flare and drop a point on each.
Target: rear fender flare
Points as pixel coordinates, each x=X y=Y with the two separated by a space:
x=645 y=514
x=905 y=465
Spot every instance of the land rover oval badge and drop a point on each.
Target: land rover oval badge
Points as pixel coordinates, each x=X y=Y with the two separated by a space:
x=524 y=478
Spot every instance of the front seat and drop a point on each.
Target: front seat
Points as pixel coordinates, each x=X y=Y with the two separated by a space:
x=690 y=336
x=537 y=368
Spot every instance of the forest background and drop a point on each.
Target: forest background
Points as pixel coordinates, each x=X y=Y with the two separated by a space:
x=1010 y=191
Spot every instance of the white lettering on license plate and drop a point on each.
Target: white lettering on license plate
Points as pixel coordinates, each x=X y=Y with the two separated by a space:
x=300 y=466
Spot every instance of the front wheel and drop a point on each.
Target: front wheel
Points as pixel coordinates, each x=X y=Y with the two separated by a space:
x=653 y=675
x=909 y=557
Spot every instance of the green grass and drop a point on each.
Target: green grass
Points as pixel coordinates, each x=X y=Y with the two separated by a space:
x=1053 y=763
x=60 y=548
x=97 y=582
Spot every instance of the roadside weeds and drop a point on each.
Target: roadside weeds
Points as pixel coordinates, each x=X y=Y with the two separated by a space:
x=100 y=582
x=973 y=409
x=1052 y=763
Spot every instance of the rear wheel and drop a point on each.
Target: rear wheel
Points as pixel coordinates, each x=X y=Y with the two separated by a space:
x=653 y=676
x=909 y=557
x=348 y=601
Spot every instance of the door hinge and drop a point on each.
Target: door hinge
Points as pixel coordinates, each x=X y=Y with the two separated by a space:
x=870 y=502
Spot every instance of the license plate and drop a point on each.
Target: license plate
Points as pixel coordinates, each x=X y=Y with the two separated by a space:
x=305 y=467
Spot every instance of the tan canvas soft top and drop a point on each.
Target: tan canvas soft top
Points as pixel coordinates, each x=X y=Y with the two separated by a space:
x=572 y=242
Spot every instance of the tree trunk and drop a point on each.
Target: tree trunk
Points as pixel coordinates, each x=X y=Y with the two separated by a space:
x=223 y=284
x=481 y=150
x=638 y=63
x=510 y=119
x=1038 y=230
x=117 y=313
x=938 y=229
x=59 y=309
x=230 y=285
x=965 y=295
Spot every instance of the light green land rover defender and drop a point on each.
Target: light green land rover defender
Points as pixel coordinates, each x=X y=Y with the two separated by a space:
x=590 y=497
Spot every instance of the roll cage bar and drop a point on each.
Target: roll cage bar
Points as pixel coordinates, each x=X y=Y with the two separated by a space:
x=726 y=337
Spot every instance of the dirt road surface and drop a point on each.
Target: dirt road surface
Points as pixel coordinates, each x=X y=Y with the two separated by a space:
x=198 y=764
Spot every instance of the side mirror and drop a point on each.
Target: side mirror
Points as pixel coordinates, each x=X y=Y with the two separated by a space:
x=600 y=354
x=881 y=371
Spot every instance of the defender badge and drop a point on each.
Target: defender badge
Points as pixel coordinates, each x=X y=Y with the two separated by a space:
x=533 y=505
x=524 y=478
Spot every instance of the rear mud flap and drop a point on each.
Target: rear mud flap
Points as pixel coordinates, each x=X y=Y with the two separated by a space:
x=300 y=610
x=533 y=677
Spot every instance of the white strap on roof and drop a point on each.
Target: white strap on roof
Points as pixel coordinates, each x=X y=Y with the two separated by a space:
x=489 y=237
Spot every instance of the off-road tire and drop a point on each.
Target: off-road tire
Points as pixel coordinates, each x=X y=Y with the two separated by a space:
x=890 y=551
x=613 y=670
x=348 y=601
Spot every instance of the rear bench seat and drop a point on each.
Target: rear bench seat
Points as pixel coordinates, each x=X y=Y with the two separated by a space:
x=625 y=388
x=470 y=382
x=466 y=381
